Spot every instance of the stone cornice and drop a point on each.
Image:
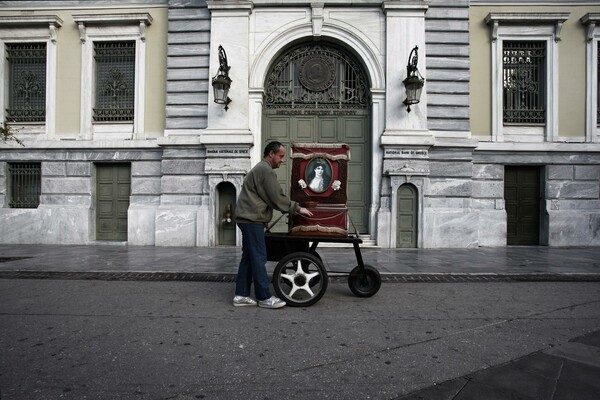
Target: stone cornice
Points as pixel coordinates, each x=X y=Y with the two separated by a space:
x=556 y=19
x=591 y=21
x=84 y=20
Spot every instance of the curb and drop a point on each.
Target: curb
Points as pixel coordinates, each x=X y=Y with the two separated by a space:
x=333 y=277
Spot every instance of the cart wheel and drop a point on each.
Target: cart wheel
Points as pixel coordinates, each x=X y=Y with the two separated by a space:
x=300 y=279
x=364 y=282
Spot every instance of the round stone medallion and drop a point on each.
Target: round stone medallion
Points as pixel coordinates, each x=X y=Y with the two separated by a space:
x=317 y=73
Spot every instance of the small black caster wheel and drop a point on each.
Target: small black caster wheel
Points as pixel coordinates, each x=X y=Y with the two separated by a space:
x=364 y=281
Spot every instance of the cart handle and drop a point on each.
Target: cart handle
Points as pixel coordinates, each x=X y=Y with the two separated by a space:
x=274 y=223
x=282 y=215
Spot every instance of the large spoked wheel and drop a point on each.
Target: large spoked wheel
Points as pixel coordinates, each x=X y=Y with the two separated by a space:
x=300 y=279
x=364 y=282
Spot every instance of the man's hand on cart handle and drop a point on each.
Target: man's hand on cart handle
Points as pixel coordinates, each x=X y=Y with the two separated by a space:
x=305 y=211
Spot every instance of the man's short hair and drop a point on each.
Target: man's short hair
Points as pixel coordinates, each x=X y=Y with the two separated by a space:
x=272 y=147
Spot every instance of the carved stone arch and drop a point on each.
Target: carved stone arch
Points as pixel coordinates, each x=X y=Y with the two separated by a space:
x=360 y=46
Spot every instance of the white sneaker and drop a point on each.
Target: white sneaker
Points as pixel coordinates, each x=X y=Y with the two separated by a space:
x=273 y=302
x=241 y=301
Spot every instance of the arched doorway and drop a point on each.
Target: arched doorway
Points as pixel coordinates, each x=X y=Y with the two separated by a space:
x=318 y=92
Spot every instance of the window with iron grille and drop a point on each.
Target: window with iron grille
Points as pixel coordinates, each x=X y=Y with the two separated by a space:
x=115 y=81
x=26 y=82
x=25 y=185
x=524 y=82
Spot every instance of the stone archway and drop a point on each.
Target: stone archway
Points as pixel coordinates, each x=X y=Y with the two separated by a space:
x=318 y=92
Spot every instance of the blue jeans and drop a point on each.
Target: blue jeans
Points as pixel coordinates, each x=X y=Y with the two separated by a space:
x=253 y=263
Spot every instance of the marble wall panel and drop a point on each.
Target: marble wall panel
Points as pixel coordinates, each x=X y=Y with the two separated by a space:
x=54 y=169
x=492 y=228
x=180 y=200
x=141 y=225
x=174 y=184
x=52 y=185
x=175 y=227
x=580 y=204
x=559 y=172
x=64 y=225
x=448 y=187
x=182 y=167
x=488 y=189
x=19 y=225
x=84 y=200
x=146 y=185
x=183 y=152
x=574 y=228
x=488 y=171
x=451 y=169
x=488 y=204
x=447 y=229
x=572 y=190
x=146 y=168
x=79 y=169
x=443 y=203
x=2 y=168
x=587 y=172
x=153 y=200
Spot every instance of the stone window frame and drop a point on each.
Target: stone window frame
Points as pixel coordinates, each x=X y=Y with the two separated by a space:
x=31 y=29
x=526 y=27
x=592 y=122
x=112 y=27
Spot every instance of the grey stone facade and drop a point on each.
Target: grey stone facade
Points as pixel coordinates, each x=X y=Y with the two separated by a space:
x=175 y=178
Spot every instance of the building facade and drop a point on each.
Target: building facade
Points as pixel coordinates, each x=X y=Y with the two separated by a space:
x=123 y=142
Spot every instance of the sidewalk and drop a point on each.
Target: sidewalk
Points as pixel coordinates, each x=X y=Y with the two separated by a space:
x=220 y=263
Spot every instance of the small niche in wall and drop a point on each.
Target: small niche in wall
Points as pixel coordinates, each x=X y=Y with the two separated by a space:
x=225 y=214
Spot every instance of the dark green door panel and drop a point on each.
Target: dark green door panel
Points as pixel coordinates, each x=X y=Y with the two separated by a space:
x=352 y=130
x=113 y=189
x=406 y=222
x=522 y=202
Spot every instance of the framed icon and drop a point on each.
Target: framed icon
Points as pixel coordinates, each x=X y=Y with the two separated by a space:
x=318 y=175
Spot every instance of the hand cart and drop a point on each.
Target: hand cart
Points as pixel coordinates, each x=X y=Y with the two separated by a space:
x=300 y=278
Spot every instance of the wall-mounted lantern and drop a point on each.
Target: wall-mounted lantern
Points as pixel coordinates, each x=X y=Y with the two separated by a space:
x=221 y=82
x=414 y=81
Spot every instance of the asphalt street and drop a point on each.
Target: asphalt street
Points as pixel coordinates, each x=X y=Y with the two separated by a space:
x=97 y=339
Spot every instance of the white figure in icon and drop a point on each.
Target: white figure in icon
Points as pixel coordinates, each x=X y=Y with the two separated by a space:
x=319 y=176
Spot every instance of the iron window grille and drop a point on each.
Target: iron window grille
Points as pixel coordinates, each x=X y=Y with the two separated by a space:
x=25 y=185
x=115 y=81
x=26 y=82
x=316 y=77
x=524 y=82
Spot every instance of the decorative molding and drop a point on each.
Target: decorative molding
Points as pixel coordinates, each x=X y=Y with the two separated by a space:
x=52 y=21
x=317 y=18
x=590 y=20
x=32 y=20
x=556 y=19
x=85 y=20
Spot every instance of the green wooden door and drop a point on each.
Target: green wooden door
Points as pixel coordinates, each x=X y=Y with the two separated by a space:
x=522 y=200
x=352 y=130
x=113 y=188
x=406 y=219
x=318 y=92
